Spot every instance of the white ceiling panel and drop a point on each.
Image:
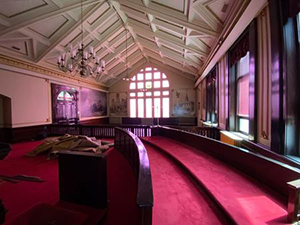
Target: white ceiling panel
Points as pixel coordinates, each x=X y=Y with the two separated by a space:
x=178 y=34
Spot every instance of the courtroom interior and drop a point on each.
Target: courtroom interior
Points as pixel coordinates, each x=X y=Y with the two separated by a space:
x=149 y=112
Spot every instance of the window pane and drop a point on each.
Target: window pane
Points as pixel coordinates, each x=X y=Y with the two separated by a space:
x=132 y=94
x=165 y=83
x=156 y=75
x=243 y=65
x=243 y=96
x=154 y=68
x=166 y=107
x=132 y=107
x=140 y=76
x=148 y=93
x=244 y=125
x=133 y=78
x=149 y=107
x=148 y=76
x=148 y=84
x=140 y=85
x=132 y=86
x=140 y=94
x=148 y=69
x=157 y=107
x=165 y=93
x=164 y=76
x=156 y=84
x=156 y=93
x=141 y=107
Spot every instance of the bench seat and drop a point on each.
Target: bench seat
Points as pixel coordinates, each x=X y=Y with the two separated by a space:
x=244 y=199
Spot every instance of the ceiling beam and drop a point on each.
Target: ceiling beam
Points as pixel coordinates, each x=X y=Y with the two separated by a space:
x=158 y=12
x=165 y=39
x=38 y=18
x=208 y=17
x=124 y=18
x=68 y=32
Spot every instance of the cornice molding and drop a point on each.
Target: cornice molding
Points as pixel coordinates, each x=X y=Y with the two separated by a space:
x=9 y=61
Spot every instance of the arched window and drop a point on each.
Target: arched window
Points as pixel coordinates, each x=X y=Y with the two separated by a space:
x=65 y=96
x=149 y=94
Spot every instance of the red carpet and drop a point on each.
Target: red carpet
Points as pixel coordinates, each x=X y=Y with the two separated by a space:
x=245 y=200
x=176 y=198
x=20 y=197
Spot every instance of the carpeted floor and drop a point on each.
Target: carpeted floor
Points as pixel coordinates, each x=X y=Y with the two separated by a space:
x=176 y=198
x=246 y=200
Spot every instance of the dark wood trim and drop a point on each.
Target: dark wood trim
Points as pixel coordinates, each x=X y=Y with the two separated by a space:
x=6 y=135
x=83 y=178
x=134 y=151
x=97 y=121
x=292 y=70
x=27 y=133
x=253 y=84
x=277 y=78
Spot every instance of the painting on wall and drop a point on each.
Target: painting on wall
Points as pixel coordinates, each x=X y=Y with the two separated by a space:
x=118 y=104
x=93 y=103
x=184 y=102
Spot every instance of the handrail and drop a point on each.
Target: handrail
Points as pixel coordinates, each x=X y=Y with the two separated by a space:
x=134 y=150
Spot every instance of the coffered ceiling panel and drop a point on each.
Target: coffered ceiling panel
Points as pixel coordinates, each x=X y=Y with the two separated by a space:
x=178 y=35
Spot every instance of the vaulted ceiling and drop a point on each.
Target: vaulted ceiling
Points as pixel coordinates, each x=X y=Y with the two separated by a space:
x=180 y=35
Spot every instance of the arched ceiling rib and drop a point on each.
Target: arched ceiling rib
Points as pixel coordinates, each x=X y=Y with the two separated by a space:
x=178 y=34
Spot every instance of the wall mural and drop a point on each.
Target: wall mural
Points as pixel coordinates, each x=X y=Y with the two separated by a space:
x=118 y=104
x=183 y=102
x=93 y=103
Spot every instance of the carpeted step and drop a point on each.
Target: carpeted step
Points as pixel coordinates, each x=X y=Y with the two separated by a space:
x=244 y=199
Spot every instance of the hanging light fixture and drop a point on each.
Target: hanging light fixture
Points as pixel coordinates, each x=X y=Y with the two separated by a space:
x=78 y=60
x=126 y=78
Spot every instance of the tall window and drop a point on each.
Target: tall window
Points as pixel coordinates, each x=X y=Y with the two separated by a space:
x=149 y=94
x=243 y=94
x=239 y=83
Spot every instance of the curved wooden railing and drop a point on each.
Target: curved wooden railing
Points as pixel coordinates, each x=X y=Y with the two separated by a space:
x=211 y=132
x=133 y=149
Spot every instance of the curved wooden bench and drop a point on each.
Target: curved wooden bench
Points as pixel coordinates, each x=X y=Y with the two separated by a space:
x=251 y=195
x=134 y=151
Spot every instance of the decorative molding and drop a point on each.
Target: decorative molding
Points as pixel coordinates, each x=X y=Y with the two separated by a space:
x=6 y=60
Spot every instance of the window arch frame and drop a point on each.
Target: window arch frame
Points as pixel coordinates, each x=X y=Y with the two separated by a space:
x=139 y=91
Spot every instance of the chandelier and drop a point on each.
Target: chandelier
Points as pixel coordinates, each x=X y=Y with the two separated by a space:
x=79 y=60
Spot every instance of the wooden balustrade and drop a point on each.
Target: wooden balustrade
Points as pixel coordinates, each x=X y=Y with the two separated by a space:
x=133 y=149
x=99 y=131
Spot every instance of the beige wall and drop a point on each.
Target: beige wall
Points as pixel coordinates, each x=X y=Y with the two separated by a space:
x=30 y=98
x=30 y=95
x=176 y=82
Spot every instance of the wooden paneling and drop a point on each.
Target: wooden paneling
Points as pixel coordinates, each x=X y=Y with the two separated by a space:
x=27 y=133
x=277 y=79
x=83 y=178
x=97 y=121
x=252 y=81
x=223 y=92
x=264 y=79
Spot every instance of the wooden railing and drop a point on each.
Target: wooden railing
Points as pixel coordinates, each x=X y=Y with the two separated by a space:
x=133 y=149
x=211 y=132
x=255 y=165
x=99 y=131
